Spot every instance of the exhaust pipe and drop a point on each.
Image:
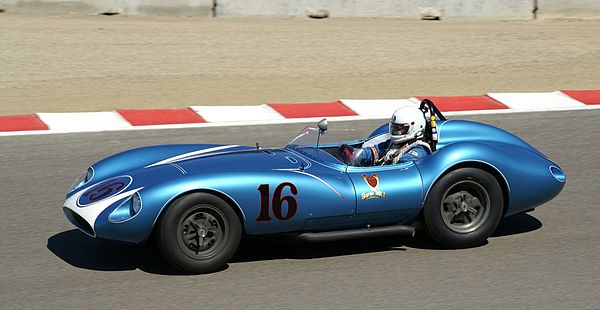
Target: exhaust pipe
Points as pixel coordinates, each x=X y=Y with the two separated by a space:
x=367 y=232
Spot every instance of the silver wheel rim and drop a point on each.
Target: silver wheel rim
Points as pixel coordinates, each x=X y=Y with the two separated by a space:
x=465 y=206
x=201 y=232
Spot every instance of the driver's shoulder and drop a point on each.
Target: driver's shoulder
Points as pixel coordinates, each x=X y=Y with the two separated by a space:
x=418 y=149
x=420 y=145
x=377 y=140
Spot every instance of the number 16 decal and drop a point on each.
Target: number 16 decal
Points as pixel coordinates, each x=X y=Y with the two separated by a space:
x=277 y=204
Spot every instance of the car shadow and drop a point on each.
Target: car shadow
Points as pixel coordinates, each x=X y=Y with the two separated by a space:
x=512 y=225
x=517 y=224
x=79 y=250
x=263 y=248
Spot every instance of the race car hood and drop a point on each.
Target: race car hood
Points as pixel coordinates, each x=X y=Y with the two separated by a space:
x=194 y=158
x=152 y=156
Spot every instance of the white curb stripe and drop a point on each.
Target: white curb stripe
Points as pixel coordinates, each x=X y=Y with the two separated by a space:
x=216 y=114
x=289 y=121
x=536 y=101
x=84 y=121
x=382 y=108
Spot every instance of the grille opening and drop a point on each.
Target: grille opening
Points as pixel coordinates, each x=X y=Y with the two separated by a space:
x=78 y=221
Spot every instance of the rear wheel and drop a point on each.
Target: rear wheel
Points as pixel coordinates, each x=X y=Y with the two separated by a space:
x=198 y=233
x=463 y=208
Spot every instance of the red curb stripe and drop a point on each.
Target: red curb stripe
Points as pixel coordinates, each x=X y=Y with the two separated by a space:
x=302 y=110
x=465 y=103
x=584 y=96
x=161 y=117
x=21 y=123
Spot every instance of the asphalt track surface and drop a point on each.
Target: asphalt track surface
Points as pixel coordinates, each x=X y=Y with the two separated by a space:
x=547 y=259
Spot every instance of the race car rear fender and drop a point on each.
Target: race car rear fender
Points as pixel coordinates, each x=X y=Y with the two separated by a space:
x=489 y=168
x=526 y=175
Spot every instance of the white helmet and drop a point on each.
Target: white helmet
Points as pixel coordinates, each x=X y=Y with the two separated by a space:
x=407 y=123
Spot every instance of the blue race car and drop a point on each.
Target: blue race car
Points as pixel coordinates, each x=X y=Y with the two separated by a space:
x=195 y=201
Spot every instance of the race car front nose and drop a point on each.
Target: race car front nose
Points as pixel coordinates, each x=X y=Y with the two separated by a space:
x=79 y=222
x=84 y=208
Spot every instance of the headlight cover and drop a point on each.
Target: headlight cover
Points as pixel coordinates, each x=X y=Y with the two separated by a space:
x=127 y=210
x=86 y=177
x=558 y=174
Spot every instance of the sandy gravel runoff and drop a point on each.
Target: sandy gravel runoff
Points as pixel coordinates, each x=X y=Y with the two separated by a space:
x=94 y=63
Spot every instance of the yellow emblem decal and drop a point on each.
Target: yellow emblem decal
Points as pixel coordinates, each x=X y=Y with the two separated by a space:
x=373 y=181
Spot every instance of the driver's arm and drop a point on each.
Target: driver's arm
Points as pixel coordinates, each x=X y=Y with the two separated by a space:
x=358 y=156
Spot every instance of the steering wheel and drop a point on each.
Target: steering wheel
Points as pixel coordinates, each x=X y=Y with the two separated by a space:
x=345 y=153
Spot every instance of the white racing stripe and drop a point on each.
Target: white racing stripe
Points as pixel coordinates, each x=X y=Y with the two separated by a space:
x=190 y=154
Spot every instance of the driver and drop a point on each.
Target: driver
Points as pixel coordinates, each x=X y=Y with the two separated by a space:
x=402 y=143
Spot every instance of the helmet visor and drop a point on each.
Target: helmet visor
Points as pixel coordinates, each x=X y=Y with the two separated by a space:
x=399 y=129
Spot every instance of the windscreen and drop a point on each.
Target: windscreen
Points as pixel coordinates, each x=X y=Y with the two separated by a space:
x=307 y=137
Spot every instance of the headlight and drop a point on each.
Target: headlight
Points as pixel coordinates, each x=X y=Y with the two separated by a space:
x=89 y=174
x=136 y=204
x=558 y=174
x=129 y=208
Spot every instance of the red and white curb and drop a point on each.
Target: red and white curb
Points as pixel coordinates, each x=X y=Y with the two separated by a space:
x=276 y=113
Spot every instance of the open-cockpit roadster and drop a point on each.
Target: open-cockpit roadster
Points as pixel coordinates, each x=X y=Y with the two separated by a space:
x=196 y=200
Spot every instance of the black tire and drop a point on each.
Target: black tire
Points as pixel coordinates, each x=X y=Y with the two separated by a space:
x=199 y=233
x=453 y=218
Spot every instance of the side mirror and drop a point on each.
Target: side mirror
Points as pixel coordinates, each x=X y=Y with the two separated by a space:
x=322 y=125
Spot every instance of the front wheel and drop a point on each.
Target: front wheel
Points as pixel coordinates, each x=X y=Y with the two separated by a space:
x=198 y=233
x=463 y=208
